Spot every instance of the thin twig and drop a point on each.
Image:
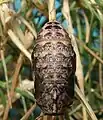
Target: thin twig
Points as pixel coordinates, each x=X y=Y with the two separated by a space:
x=51 y=8
x=100 y=65
x=22 y=97
x=85 y=103
x=6 y=77
x=28 y=113
x=91 y=67
x=87 y=28
x=16 y=73
x=90 y=51
x=79 y=28
x=5 y=71
x=76 y=109
x=14 y=83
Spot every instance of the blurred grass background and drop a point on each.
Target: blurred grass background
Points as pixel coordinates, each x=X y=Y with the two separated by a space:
x=25 y=18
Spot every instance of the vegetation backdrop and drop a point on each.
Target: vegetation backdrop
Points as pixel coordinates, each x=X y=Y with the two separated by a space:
x=20 y=20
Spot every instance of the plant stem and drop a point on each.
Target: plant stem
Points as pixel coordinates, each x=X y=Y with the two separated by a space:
x=85 y=103
x=100 y=65
x=52 y=11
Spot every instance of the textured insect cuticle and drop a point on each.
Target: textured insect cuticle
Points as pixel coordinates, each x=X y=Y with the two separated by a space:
x=54 y=66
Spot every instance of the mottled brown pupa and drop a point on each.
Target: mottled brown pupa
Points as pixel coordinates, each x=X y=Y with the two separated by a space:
x=53 y=65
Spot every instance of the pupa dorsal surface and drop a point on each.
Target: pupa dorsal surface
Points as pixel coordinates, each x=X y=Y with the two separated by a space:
x=53 y=65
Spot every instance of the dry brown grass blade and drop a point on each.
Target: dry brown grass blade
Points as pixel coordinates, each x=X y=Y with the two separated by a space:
x=4 y=14
x=81 y=97
x=28 y=113
x=20 y=59
x=17 y=70
x=17 y=42
x=51 y=9
x=100 y=65
x=6 y=77
x=5 y=72
x=16 y=28
x=14 y=84
x=27 y=38
x=89 y=51
x=87 y=28
x=79 y=69
x=32 y=30
x=92 y=65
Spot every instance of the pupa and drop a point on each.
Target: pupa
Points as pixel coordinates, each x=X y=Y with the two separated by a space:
x=53 y=69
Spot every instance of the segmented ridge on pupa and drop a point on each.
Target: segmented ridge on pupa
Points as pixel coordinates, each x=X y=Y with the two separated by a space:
x=53 y=30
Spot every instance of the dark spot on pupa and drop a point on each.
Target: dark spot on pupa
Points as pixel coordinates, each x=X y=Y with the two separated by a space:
x=57 y=27
x=48 y=27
